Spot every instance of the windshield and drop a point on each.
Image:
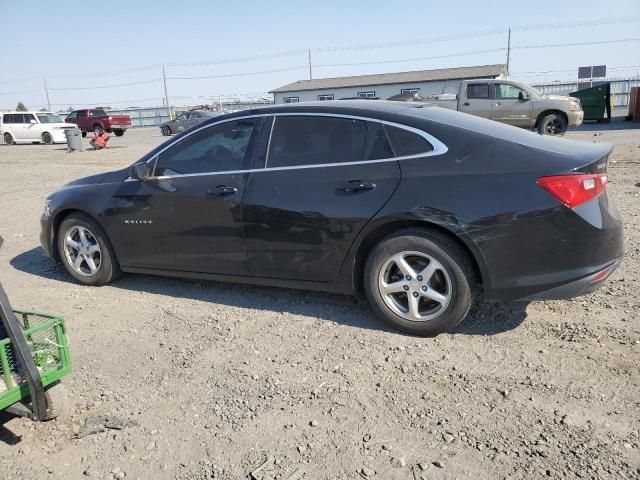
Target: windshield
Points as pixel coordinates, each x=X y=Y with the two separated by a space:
x=49 y=118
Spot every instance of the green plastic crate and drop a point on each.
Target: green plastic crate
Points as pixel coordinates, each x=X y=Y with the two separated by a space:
x=47 y=340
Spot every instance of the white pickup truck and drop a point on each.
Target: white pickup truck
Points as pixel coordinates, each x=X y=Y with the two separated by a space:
x=514 y=103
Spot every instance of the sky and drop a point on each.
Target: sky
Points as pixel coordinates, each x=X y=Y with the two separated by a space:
x=113 y=55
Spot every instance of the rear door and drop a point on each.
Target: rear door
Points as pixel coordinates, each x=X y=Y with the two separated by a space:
x=478 y=99
x=20 y=127
x=325 y=177
x=508 y=108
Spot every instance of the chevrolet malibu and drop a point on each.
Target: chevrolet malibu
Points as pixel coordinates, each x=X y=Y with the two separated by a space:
x=422 y=209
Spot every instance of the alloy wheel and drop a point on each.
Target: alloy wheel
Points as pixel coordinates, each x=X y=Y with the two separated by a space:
x=82 y=251
x=415 y=286
x=553 y=126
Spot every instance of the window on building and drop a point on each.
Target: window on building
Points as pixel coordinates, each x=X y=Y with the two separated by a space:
x=407 y=91
x=407 y=143
x=369 y=94
x=291 y=99
x=325 y=97
x=478 y=90
x=311 y=140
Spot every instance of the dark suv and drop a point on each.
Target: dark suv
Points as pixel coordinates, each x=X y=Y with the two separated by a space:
x=416 y=206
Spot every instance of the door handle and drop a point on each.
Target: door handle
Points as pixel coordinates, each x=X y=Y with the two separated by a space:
x=222 y=190
x=466 y=104
x=357 y=186
x=498 y=104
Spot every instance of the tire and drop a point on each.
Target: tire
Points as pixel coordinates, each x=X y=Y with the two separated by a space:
x=97 y=130
x=452 y=281
x=47 y=138
x=56 y=396
x=8 y=139
x=99 y=265
x=166 y=131
x=119 y=133
x=84 y=134
x=553 y=124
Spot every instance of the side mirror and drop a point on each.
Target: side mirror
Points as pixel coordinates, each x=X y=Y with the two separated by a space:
x=523 y=96
x=140 y=171
x=32 y=121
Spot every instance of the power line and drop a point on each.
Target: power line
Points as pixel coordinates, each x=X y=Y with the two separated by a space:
x=277 y=70
x=576 y=44
x=115 y=85
x=252 y=58
x=413 y=59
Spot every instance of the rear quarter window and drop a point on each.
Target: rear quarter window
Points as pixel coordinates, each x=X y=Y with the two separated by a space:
x=406 y=143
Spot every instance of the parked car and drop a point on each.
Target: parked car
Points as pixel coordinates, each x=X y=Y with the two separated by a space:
x=421 y=208
x=516 y=104
x=186 y=120
x=97 y=120
x=32 y=127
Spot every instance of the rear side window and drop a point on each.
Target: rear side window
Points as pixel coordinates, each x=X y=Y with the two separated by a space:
x=97 y=113
x=478 y=90
x=311 y=140
x=12 y=118
x=378 y=146
x=407 y=143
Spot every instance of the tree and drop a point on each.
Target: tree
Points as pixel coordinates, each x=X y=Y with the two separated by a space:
x=70 y=109
x=44 y=109
x=21 y=107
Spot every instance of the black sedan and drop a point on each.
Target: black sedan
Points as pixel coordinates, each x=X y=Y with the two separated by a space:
x=421 y=208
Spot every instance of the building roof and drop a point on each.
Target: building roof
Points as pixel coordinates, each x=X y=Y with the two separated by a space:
x=482 y=71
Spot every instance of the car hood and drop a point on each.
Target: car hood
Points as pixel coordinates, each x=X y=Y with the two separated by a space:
x=100 y=178
x=558 y=97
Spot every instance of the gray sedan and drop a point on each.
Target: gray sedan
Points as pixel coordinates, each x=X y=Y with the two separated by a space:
x=185 y=120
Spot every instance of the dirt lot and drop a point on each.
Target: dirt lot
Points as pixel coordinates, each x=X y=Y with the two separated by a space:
x=220 y=379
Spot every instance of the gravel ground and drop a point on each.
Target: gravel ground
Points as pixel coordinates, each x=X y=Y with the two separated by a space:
x=214 y=381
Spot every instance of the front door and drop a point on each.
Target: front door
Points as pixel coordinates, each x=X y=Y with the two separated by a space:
x=509 y=108
x=478 y=99
x=187 y=217
x=325 y=177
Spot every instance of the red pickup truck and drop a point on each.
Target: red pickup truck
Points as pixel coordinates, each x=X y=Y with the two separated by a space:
x=96 y=120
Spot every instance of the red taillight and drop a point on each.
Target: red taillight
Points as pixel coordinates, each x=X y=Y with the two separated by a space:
x=573 y=190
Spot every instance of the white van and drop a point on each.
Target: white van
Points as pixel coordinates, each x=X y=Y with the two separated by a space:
x=32 y=127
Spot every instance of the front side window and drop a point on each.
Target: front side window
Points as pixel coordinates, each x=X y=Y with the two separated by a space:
x=316 y=140
x=507 y=91
x=478 y=90
x=370 y=94
x=291 y=99
x=219 y=148
x=49 y=118
x=82 y=113
x=182 y=117
x=325 y=97
x=27 y=117
x=407 y=143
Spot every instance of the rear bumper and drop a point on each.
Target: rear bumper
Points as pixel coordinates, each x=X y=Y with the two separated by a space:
x=579 y=287
x=118 y=127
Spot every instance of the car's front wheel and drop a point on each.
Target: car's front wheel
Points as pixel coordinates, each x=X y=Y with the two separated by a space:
x=47 y=138
x=553 y=124
x=419 y=281
x=85 y=251
x=166 y=131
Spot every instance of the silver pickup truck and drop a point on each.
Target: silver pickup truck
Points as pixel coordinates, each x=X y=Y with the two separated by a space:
x=514 y=103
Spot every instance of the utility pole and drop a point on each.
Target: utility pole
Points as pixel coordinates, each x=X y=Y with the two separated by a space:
x=508 y=52
x=310 y=73
x=46 y=91
x=166 y=95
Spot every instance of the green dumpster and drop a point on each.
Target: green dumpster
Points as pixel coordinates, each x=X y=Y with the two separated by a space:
x=596 y=102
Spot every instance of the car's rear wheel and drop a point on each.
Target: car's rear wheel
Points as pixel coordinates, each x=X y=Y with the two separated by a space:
x=85 y=251
x=553 y=124
x=119 y=133
x=8 y=139
x=419 y=281
x=97 y=130
x=166 y=131
x=47 y=138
